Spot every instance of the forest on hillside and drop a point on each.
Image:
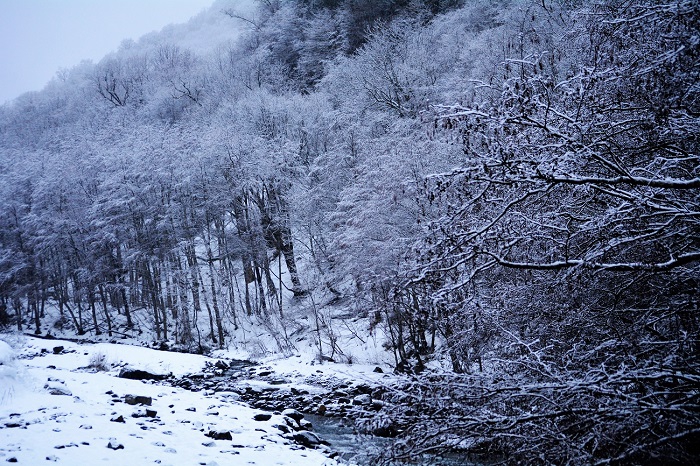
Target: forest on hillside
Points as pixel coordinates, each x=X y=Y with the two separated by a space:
x=508 y=190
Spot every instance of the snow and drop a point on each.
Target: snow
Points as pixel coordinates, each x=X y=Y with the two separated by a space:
x=7 y=354
x=36 y=427
x=298 y=367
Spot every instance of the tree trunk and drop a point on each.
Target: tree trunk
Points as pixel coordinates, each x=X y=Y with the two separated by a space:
x=93 y=310
x=105 y=309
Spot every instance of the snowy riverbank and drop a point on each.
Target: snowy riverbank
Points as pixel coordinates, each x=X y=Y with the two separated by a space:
x=89 y=419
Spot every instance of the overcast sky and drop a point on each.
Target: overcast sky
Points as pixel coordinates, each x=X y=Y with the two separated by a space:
x=39 y=37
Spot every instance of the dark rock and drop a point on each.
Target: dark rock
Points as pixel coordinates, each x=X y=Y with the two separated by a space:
x=305 y=425
x=118 y=419
x=293 y=413
x=285 y=429
x=378 y=370
x=12 y=460
x=262 y=417
x=291 y=423
x=191 y=409
x=57 y=349
x=220 y=435
x=362 y=400
x=308 y=439
x=385 y=431
x=12 y=425
x=363 y=389
x=138 y=374
x=138 y=400
x=151 y=413
x=57 y=389
x=114 y=445
x=221 y=365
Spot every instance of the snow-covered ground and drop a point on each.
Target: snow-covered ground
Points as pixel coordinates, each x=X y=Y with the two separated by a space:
x=82 y=426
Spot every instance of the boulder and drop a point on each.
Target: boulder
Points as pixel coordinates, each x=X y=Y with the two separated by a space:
x=221 y=365
x=57 y=388
x=305 y=425
x=262 y=417
x=138 y=400
x=140 y=374
x=293 y=413
x=308 y=439
x=362 y=400
x=114 y=445
x=219 y=435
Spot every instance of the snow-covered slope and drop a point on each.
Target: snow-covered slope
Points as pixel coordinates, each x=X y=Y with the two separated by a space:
x=88 y=420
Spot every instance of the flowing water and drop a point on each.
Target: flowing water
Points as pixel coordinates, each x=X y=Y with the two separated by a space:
x=354 y=449
x=342 y=436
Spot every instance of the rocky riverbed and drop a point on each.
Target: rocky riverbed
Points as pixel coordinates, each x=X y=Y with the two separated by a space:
x=322 y=393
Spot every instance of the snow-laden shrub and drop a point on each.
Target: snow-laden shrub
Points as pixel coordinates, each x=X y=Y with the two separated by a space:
x=99 y=362
x=7 y=354
x=9 y=371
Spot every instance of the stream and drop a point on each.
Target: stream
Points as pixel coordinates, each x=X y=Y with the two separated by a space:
x=351 y=447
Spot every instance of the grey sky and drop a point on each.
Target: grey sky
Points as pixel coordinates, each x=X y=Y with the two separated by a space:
x=39 y=37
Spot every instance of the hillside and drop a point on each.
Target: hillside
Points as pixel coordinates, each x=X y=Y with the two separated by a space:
x=499 y=199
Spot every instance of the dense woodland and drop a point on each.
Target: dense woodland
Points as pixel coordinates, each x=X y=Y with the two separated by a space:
x=509 y=189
